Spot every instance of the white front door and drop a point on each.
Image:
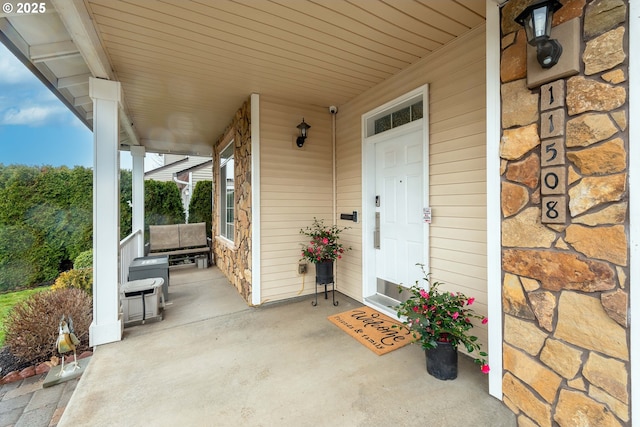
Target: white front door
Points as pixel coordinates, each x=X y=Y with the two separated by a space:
x=399 y=203
x=395 y=193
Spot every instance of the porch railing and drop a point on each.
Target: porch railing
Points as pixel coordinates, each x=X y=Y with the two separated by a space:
x=130 y=248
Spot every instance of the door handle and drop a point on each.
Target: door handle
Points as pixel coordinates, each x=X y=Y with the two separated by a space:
x=376 y=232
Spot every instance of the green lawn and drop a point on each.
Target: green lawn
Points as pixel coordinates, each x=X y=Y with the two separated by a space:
x=7 y=301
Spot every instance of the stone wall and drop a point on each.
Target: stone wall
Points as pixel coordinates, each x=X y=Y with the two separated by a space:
x=235 y=260
x=565 y=284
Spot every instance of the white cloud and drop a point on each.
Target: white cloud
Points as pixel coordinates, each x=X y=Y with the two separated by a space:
x=32 y=115
x=12 y=71
x=25 y=101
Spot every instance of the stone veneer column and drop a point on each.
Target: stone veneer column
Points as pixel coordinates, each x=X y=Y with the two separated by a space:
x=565 y=285
x=235 y=262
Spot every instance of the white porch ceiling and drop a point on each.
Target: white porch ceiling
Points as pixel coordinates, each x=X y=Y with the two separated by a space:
x=186 y=67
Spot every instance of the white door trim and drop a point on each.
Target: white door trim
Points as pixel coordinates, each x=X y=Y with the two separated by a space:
x=368 y=180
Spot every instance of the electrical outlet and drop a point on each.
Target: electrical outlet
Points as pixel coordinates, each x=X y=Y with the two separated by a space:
x=302 y=268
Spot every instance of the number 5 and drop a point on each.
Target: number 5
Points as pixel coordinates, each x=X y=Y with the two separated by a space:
x=549 y=149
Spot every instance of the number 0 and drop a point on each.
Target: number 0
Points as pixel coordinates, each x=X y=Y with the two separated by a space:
x=553 y=182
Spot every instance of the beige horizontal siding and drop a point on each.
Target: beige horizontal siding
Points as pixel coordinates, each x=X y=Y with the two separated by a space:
x=203 y=174
x=457 y=165
x=296 y=184
x=295 y=187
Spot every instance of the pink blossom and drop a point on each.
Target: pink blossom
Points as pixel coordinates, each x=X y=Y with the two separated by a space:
x=485 y=368
x=455 y=315
x=484 y=321
x=416 y=309
x=424 y=293
x=325 y=240
x=470 y=300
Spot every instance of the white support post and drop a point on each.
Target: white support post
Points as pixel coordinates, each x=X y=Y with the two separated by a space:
x=256 y=281
x=107 y=325
x=494 y=264
x=137 y=194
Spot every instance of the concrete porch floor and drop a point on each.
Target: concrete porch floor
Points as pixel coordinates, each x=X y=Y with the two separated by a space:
x=214 y=361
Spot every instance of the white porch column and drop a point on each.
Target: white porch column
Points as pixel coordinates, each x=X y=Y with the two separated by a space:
x=107 y=325
x=256 y=274
x=137 y=194
x=494 y=260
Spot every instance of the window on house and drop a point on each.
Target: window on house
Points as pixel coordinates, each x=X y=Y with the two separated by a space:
x=400 y=115
x=227 y=193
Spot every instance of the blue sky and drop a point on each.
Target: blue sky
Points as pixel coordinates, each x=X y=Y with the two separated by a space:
x=35 y=127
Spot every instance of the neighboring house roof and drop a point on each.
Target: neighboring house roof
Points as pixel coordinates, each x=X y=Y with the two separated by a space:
x=198 y=168
x=179 y=167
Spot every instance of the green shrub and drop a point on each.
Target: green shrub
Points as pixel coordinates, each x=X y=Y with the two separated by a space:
x=84 y=260
x=16 y=269
x=200 y=207
x=81 y=278
x=9 y=300
x=162 y=203
x=46 y=219
x=31 y=327
x=45 y=222
x=126 y=197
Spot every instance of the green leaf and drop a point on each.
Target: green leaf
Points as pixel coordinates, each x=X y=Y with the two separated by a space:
x=200 y=205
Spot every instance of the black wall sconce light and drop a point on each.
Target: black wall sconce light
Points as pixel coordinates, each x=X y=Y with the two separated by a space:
x=303 y=133
x=536 y=20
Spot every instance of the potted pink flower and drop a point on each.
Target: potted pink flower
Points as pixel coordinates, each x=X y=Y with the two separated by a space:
x=323 y=248
x=440 y=321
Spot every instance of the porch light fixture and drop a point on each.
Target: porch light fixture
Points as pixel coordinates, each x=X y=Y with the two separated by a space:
x=303 y=133
x=536 y=20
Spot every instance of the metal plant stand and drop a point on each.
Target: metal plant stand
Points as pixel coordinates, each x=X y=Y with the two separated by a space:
x=333 y=293
x=324 y=277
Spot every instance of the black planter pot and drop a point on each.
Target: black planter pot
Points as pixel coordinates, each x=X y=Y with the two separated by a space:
x=442 y=361
x=324 y=272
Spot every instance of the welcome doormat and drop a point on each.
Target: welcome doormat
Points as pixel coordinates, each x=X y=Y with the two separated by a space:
x=373 y=329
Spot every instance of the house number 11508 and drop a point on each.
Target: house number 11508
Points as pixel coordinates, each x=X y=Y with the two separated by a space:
x=553 y=169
